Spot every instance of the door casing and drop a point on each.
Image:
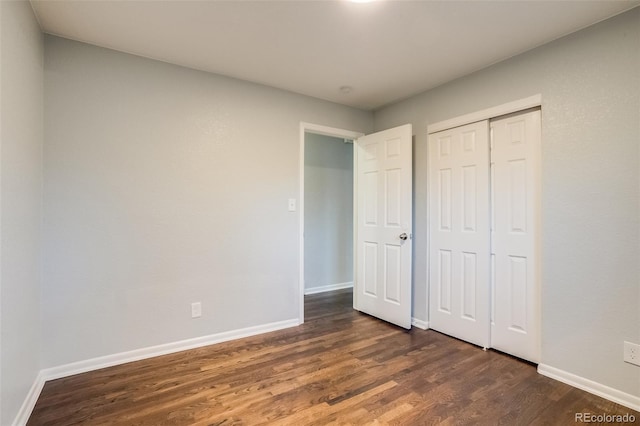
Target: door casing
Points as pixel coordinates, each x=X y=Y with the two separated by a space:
x=346 y=134
x=326 y=131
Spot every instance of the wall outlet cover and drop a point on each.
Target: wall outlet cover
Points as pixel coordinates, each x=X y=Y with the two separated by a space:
x=196 y=310
x=632 y=353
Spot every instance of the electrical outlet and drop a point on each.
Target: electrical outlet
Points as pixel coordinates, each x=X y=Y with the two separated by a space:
x=632 y=353
x=196 y=310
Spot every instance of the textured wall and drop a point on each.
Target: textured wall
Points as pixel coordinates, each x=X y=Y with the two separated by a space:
x=590 y=86
x=165 y=186
x=21 y=57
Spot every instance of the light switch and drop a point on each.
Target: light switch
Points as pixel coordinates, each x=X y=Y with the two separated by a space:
x=292 y=204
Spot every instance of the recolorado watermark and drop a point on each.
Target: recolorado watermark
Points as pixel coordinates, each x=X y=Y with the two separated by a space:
x=604 y=418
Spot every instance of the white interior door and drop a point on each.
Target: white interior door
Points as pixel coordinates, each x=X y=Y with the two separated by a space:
x=515 y=165
x=459 y=273
x=382 y=282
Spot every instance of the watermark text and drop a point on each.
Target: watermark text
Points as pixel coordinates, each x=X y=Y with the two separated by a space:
x=604 y=418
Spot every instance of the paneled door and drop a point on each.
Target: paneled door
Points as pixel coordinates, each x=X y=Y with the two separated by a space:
x=382 y=282
x=515 y=165
x=459 y=273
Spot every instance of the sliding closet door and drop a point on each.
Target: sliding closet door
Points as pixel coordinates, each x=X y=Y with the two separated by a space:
x=459 y=243
x=515 y=166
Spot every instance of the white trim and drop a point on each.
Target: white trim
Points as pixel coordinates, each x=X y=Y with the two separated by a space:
x=329 y=131
x=136 y=355
x=486 y=114
x=164 y=349
x=326 y=131
x=330 y=287
x=303 y=130
x=419 y=323
x=30 y=401
x=355 y=224
x=590 y=386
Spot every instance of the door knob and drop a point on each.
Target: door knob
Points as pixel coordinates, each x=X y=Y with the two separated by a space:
x=404 y=236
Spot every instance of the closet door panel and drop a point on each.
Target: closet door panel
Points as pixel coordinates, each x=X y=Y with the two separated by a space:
x=515 y=164
x=459 y=232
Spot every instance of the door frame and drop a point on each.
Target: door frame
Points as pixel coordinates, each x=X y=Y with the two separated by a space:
x=325 y=131
x=487 y=114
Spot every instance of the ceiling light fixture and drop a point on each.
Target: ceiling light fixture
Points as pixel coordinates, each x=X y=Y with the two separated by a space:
x=345 y=90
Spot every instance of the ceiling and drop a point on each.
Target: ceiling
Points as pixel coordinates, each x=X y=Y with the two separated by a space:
x=383 y=51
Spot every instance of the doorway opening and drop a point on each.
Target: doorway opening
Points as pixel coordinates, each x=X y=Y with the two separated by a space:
x=328 y=213
x=326 y=210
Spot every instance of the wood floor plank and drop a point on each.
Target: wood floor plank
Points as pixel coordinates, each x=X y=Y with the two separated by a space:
x=341 y=367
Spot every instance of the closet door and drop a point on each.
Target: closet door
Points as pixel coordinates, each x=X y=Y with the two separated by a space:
x=515 y=166
x=459 y=274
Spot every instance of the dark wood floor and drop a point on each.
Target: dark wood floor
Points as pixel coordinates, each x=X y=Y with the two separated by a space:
x=340 y=367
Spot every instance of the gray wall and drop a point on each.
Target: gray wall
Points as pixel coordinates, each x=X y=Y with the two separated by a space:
x=328 y=211
x=165 y=186
x=590 y=86
x=21 y=57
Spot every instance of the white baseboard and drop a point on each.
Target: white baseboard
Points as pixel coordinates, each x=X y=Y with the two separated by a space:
x=30 y=401
x=419 y=323
x=52 y=373
x=136 y=355
x=330 y=287
x=590 y=386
